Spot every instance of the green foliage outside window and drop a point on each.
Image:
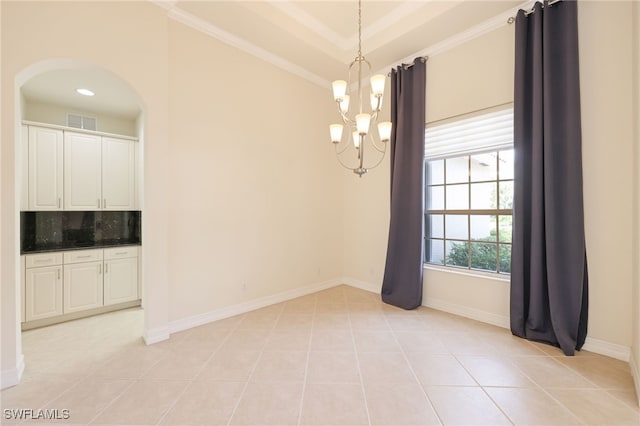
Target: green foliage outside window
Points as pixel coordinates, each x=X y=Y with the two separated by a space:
x=483 y=253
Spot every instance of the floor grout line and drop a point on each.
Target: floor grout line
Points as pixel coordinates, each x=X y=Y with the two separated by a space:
x=358 y=314
x=126 y=388
x=306 y=367
x=262 y=350
x=415 y=376
x=197 y=375
x=355 y=348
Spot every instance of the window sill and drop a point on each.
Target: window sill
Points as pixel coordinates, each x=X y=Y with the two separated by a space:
x=469 y=273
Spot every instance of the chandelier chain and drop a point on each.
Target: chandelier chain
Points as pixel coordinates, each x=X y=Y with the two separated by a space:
x=359 y=28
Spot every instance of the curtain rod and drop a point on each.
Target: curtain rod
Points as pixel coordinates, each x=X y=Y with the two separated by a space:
x=512 y=19
x=423 y=59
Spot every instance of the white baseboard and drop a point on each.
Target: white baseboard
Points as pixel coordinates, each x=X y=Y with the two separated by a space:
x=467 y=312
x=635 y=373
x=12 y=376
x=602 y=347
x=463 y=311
x=241 y=308
x=598 y=346
x=362 y=285
x=155 y=335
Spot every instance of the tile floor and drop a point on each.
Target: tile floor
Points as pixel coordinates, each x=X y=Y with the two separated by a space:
x=337 y=357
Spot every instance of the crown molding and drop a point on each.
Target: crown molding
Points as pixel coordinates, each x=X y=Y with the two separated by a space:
x=399 y=13
x=339 y=41
x=192 y=21
x=176 y=13
x=474 y=32
x=316 y=26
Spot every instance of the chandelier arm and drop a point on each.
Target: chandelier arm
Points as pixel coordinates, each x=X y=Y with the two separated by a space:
x=379 y=161
x=378 y=105
x=346 y=146
x=377 y=148
x=341 y=162
x=384 y=147
x=346 y=120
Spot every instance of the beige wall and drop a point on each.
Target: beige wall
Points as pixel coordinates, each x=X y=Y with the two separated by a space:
x=472 y=76
x=366 y=224
x=479 y=74
x=57 y=114
x=607 y=129
x=255 y=201
x=635 y=349
x=242 y=195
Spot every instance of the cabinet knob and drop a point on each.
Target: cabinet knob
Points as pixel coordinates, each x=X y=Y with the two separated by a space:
x=98 y=202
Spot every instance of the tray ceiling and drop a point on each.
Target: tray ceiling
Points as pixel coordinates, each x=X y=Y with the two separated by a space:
x=314 y=39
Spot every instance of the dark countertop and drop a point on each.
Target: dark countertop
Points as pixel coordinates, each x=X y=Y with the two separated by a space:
x=45 y=248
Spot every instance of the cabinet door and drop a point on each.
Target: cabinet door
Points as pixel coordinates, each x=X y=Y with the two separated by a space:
x=120 y=280
x=82 y=286
x=43 y=292
x=45 y=169
x=23 y=285
x=24 y=169
x=82 y=171
x=118 y=174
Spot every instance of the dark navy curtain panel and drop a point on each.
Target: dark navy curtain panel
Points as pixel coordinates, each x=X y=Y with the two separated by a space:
x=549 y=282
x=402 y=284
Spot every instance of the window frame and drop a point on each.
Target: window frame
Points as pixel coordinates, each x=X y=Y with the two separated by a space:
x=496 y=213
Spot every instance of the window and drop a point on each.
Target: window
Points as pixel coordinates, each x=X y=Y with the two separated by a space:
x=469 y=193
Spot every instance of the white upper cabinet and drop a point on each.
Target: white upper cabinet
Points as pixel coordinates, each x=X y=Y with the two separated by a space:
x=118 y=174
x=45 y=171
x=71 y=170
x=82 y=171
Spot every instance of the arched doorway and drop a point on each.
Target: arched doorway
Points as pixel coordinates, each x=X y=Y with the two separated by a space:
x=12 y=358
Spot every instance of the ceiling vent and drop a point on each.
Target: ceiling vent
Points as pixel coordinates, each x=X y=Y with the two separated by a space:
x=82 y=122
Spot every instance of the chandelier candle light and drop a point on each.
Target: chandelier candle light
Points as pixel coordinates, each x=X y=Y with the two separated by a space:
x=358 y=126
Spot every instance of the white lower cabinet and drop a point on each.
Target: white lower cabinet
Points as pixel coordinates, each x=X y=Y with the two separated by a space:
x=69 y=282
x=82 y=286
x=82 y=280
x=43 y=286
x=43 y=292
x=120 y=275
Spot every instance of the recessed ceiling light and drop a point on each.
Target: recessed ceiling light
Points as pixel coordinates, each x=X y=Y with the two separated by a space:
x=85 y=92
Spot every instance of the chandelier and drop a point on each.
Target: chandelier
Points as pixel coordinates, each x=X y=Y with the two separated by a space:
x=358 y=120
